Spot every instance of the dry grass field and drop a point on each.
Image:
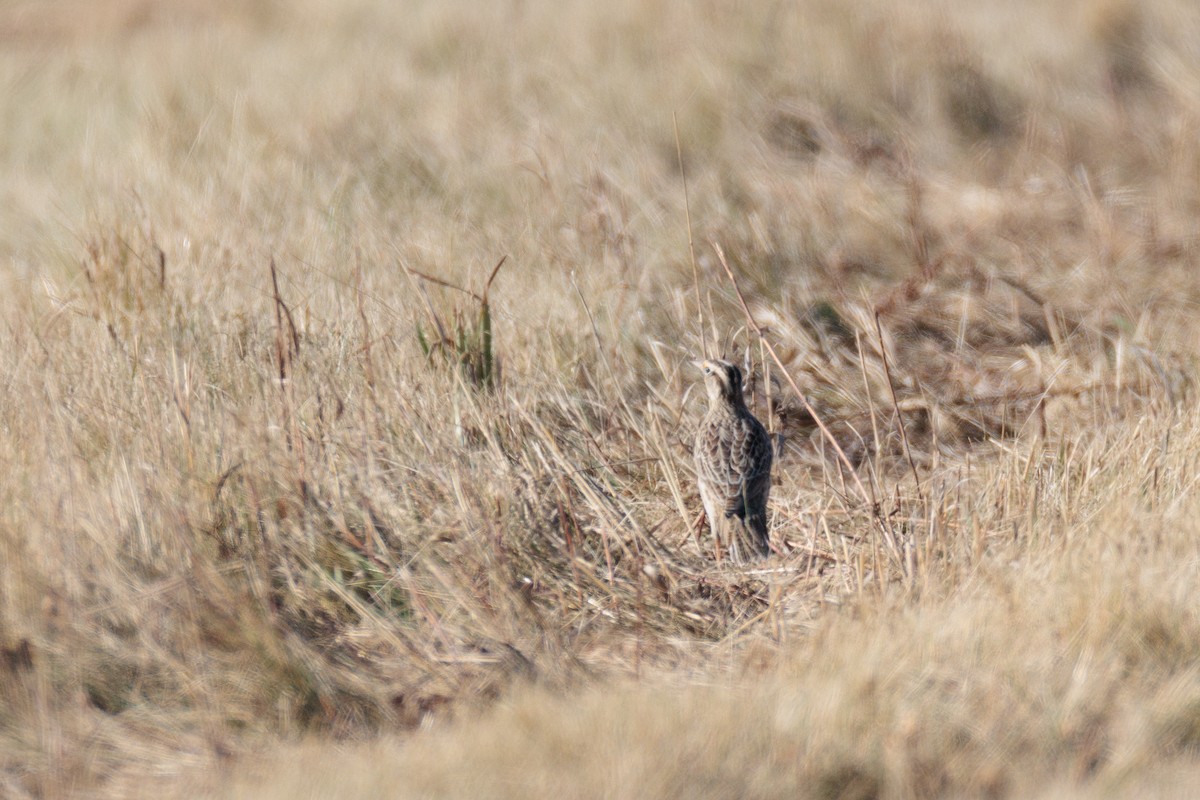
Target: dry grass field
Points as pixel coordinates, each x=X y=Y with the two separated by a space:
x=346 y=403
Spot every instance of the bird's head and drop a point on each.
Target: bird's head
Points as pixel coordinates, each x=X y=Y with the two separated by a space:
x=722 y=380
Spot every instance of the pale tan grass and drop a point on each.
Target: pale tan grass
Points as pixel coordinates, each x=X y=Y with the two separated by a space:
x=241 y=507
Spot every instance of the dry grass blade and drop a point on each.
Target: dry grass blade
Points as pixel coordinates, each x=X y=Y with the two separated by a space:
x=896 y=408
x=687 y=214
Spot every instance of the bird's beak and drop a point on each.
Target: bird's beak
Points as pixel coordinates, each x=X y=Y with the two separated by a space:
x=697 y=364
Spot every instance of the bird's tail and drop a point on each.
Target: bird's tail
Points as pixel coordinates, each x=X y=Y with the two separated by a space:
x=748 y=538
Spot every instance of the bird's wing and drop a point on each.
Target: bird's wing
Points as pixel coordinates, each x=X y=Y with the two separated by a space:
x=735 y=460
x=752 y=460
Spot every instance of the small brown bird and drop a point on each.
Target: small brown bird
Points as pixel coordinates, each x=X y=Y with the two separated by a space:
x=733 y=465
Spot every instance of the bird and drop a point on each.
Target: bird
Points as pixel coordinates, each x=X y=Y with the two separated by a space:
x=733 y=465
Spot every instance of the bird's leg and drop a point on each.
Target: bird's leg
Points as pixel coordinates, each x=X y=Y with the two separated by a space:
x=718 y=540
x=735 y=554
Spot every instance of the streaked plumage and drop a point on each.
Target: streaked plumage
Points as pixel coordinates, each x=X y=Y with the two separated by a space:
x=733 y=465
